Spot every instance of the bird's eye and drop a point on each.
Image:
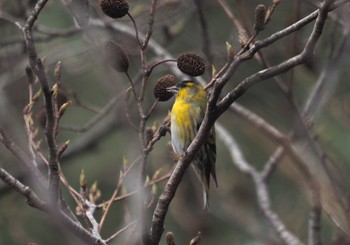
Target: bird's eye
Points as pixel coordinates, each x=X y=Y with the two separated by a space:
x=182 y=85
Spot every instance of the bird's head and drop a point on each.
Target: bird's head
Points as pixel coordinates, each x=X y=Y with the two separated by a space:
x=188 y=91
x=189 y=87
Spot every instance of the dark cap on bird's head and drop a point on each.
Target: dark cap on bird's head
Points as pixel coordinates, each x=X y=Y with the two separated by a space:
x=183 y=84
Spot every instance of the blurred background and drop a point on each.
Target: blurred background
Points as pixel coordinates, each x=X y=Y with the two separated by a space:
x=102 y=149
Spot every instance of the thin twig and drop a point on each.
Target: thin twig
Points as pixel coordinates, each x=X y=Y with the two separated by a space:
x=109 y=239
x=231 y=16
x=23 y=157
x=126 y=111
x=160 y=133
x=158 y=63
x=306 y=54
x=151 y=109
x=119 y=198
x=314 y=231
x=205 y=35
x=135 y=28
x=150 y=24
x=97 y=118
x=109 y=203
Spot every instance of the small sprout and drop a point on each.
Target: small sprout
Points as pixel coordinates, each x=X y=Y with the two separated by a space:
x=160 y=91
x=79 y=211
x=154 y=189
x=191 y=64
x=156 y=174
x=37 y=95
x=121 y=176
x=57 y=72
x=124 y=190
x=30 y=119
x=116 y=56
x=125 y=162
x=59 y=97
x=63 y=148
x=196 y=239
x=94 y=186
x=104 y=206
x=63 y=108
x=170 y=240
x=128 y=93
x=82 y=179
x=230 y=52
x=213 y=71
x=97 y=196
x=114 y=8
x=94 y=193
x=147 y=180
x=55 y=88
x=259 y=18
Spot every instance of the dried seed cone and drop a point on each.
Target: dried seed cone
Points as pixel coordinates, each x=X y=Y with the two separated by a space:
x=259 y=17
x=114 y=8
x=191 y=64
x=243 y=38
x=117 y=56
x=159 y=90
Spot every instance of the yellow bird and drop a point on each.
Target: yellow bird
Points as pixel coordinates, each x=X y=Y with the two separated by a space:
x=186 y=117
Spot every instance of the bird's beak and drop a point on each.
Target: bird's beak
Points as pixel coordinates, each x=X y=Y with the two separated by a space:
x=172 y=89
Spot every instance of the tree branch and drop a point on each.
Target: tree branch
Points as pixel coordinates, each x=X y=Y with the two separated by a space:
x=51 y=121
x=34 y=201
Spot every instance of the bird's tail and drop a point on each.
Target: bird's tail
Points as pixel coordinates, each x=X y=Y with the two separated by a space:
x=205 y=188
x=203 y=175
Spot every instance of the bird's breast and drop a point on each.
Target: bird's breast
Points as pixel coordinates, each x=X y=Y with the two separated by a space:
x=184 y=122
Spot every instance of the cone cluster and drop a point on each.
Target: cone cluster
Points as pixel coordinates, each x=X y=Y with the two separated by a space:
x=116 y=56
x=162 y=84
x=114 y=8
x=191 y=64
